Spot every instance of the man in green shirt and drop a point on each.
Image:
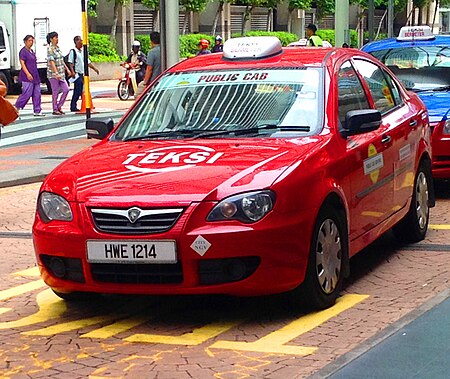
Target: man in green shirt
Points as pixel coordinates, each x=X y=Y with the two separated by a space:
x=313 y=39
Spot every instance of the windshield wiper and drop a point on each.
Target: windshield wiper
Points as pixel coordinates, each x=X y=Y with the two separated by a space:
x=436 y=89
x=244 y=131
x=172 y=133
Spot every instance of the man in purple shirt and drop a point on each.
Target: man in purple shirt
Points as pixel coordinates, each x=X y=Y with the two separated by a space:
x=29 y=76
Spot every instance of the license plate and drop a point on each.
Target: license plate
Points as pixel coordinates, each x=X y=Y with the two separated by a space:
x=131 y=251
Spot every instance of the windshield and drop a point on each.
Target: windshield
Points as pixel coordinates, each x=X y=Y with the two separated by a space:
x=419 y=67
x=224 y=104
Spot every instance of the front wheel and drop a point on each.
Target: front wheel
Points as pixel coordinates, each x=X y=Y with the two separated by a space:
x=123 y=90
x=324 y=275
x=413 y=227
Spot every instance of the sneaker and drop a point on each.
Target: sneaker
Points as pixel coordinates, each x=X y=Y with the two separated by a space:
x=39 y=114
x=61 y=112
x=57 y=113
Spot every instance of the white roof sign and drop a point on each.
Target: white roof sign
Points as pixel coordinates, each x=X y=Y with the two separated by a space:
x=251 y=47
x=410 y=33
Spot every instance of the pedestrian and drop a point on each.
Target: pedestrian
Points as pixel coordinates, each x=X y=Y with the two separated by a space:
x=76 y=67
x=139 y=59
x=345 y=45
x=153 y=59
x=203 y=47
x=56 y=69
x=313 y=38
x=218 y=47
x=29 y=77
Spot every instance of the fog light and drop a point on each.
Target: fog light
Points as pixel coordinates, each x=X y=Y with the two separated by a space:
x=58 y=267
x=235 y=270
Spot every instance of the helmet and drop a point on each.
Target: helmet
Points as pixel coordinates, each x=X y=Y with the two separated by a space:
x=218 y=38
x=203 y=43
x=136 y=43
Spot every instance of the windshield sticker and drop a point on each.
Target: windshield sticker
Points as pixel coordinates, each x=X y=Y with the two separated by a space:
x=171 y=158
x=373 y=163
x=279 y=77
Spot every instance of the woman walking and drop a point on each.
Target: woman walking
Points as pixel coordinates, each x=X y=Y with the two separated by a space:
x=29 y=77
x=56 y=69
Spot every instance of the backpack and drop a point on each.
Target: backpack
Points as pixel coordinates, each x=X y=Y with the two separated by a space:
x=66 y=62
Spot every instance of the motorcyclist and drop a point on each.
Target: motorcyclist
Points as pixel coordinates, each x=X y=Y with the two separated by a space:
x=218 y=47
x=138 y=58
x=203 y=47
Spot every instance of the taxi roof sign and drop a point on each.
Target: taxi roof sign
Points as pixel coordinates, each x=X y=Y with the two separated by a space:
x=411 y=33
x=251 y=47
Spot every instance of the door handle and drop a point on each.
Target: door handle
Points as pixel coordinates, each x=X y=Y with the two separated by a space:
x=386 y=139
x=413 y=123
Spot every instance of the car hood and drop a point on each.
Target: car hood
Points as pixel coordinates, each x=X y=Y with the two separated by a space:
x=168 y=172
x=437 y=103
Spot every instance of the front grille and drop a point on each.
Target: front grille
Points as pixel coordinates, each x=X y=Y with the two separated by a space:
x=148 y=221
x=137 y=273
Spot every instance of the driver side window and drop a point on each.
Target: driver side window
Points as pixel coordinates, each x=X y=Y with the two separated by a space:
x=351 y=95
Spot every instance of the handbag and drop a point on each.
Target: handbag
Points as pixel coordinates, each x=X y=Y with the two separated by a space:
x=8 y=113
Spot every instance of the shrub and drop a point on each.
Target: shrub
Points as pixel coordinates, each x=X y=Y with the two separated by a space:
x=144 y=39
x=189 y=44
x=285 y=37
x=101 y=49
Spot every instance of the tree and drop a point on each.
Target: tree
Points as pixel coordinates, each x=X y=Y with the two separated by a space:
x=249 y=5
x=153 y=5
x=92 y=8
x=271 y=5
x=295 y=5
x=117 y=5
x=189 y=6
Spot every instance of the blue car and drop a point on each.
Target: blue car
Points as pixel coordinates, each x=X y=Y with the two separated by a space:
x=421 y=60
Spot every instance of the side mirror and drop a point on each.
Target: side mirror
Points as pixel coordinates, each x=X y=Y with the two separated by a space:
x=361 y=121
x=99 y=128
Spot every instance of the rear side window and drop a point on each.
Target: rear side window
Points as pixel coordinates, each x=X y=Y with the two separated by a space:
x=351 y=95
x=381 y=90
x=2 y=41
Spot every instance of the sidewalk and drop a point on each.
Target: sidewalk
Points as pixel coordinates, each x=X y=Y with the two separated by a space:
x=31 y=163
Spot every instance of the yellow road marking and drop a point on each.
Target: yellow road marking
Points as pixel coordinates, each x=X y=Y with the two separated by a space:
x=196 y=337
x=21 y=289
x=4 y=310
x=32 y=271
x=50 y=307
x=439 y=226
x=69 y=326
x=275 y=342
x=116 y=328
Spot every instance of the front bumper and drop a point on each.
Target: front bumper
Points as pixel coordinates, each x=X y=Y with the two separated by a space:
x=244 y=259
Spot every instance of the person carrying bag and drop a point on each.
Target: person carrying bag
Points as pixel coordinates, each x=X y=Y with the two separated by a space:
x=8 y=113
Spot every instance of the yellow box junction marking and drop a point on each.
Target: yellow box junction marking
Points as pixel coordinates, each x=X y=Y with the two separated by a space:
x=439 y=226
x=275 y=342
x=196 y=337
x=116 y=328
x=50 y=307
x=32 y=272
x=21 y=289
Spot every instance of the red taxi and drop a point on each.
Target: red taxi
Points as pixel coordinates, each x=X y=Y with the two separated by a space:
x=257 y=171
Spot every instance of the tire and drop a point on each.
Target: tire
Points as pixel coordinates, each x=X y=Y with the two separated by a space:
x=123 y=91
x=4 y=79
x=325 y=271
x=74 y=296
x=414 y=226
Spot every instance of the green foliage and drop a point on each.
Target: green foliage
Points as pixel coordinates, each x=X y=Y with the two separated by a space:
x=101 y=48
x=299 y=4
x=324 y=8
x=144 y=39
x=92 y=8
x=285 y=37
x=189 y=44
x=399 y=5
x=194 y=5
x=151 y=4
x=329 y=35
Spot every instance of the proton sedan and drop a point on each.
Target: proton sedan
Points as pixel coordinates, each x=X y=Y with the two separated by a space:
x=257 y=171
x=421 y=61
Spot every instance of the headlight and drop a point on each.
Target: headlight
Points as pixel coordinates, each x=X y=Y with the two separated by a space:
x=446 y=129
x=53 y=207
x=245 y=207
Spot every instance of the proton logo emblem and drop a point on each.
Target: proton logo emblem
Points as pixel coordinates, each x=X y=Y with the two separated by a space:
x=133 y=214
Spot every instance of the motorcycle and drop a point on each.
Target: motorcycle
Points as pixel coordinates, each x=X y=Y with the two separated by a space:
x=127 y=85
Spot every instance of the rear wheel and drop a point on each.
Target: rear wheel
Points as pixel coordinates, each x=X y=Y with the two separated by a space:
x=123 y=90
x=324 y=275
x=413 y=227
